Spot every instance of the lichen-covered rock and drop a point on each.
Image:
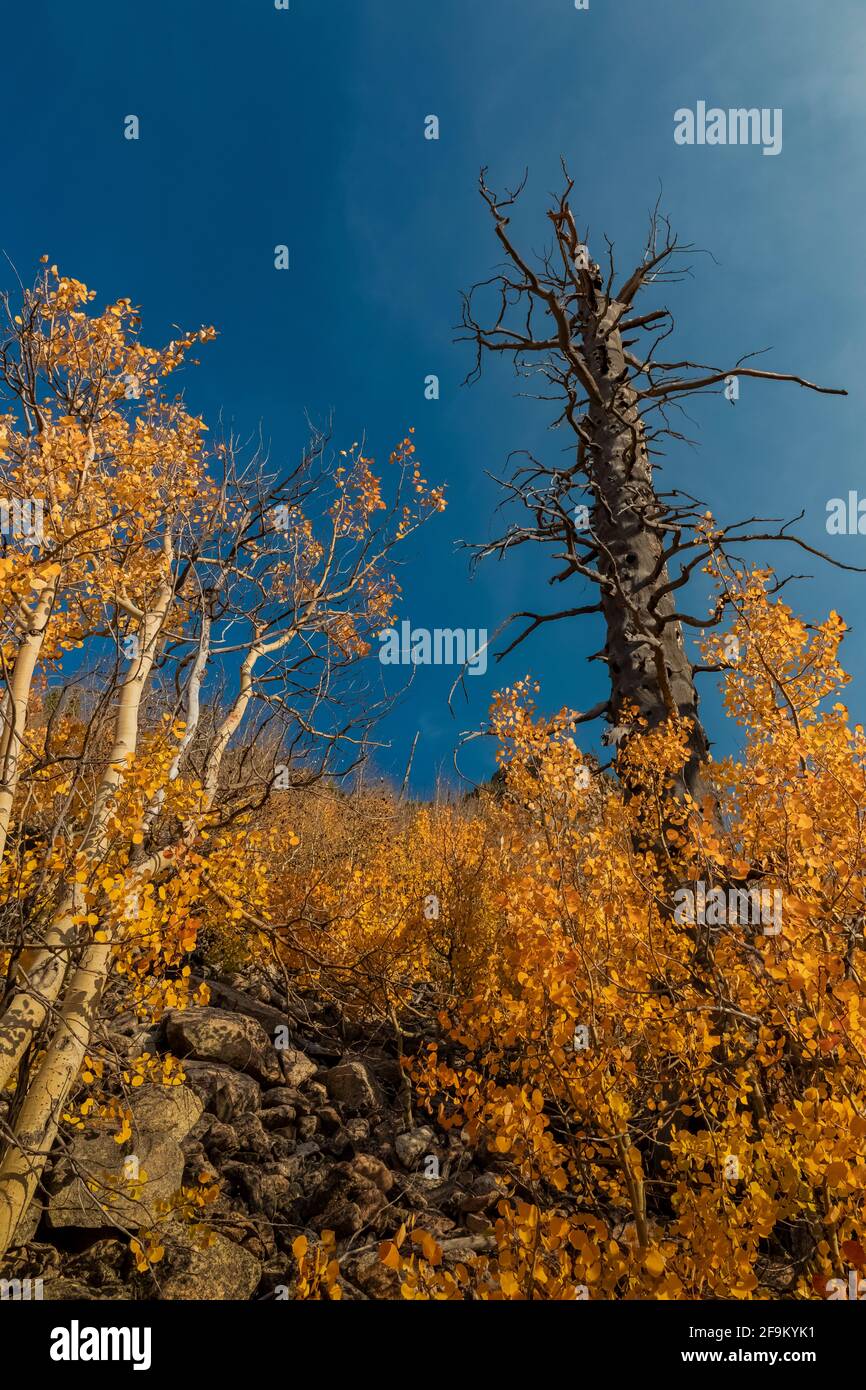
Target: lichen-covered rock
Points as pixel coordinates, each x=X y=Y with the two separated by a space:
x=352 y=1084
x=297 y=1066
x=253 y=1138
x=220 y=1140
x=347 y=1200
x=278 y=1116
x=374 y=1278
x=169 y=1110
x=27 y=1226
x=224 y=1092
x=62 y=1290
x=373 y=1170
x=204 y=1267
x=211 y=1035
x=413 y=1144
x=280 y=1095
x=100 y=1183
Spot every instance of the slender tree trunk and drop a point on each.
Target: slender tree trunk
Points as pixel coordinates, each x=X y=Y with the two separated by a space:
x=49 y=1088
x=42 y=1111
x=15 y=725
x=43 y=968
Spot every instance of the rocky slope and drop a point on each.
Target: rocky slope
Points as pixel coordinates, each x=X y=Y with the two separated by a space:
x=302 y=1127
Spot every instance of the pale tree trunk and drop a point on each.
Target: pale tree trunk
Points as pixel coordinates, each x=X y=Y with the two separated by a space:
x=49 y=1089
x=15 y=714
x=193 y=717
x=21 y=678
x=230 y=724
x=43 y=969
x=42 y=1111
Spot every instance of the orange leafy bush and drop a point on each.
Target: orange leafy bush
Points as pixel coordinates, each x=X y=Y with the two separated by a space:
x=673 y=1108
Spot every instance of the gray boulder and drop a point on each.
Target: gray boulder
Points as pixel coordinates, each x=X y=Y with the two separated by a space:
x=297 y=1066
x=223 y=1091
x=413 y=1144
x=352 y=1084
x=169 y=1110
x=211 y=1035
x=100 y=1183
x=199 y=1267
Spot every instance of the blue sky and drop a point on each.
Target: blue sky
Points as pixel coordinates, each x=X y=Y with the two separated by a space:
x=306 y=127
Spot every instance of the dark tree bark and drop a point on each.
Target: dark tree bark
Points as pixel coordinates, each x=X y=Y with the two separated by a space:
x=649 y=670
x=561 y=320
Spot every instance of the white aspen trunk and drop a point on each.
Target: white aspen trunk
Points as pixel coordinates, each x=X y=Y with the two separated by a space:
x=193 y=716
x=18 y=693
x=49 y=1089
x=230 y=724
x=43 y=969
x=15 y=714
x=42 y=1110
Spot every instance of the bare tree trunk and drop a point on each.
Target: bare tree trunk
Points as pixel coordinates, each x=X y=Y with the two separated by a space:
x=561 y=321
x=646 y=658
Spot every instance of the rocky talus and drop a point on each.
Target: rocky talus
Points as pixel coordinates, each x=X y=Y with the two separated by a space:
x=301 y=1124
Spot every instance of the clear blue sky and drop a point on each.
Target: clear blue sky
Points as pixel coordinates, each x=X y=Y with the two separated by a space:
x=305 y=127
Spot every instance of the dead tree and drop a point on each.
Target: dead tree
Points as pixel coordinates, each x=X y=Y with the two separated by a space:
x=566 y=323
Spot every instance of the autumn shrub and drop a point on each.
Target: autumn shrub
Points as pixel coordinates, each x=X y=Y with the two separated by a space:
x=674 y=1108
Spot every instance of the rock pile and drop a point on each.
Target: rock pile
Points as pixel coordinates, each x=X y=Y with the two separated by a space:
x=301 y=1137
